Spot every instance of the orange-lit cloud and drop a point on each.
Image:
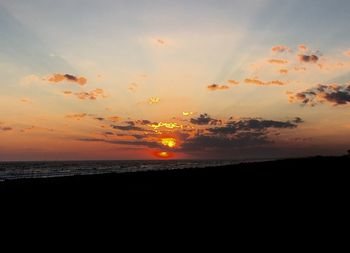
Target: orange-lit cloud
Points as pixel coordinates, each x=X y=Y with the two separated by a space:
x=133 y=87
x=5 y=128
x=280 y=49
x=56 y=78
x=347 y=53
x=25 y=100
x=233 y=82
x=187 y=113
x=277 y=61
x=262 y=83
x=283 y=71
x=114 y=118
x=214 y=87
x=91 y=95
x=160 y=41
x=170 y=125
x=303 y=48
x=153 y=100
x=76 y=116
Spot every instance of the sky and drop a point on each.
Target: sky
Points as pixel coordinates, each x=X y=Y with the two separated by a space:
x=88 y=79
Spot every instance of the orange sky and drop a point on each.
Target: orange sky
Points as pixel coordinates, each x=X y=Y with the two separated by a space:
x=180 y=81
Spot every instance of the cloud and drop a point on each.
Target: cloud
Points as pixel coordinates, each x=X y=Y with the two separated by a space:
x=303 y=48
x=79 y=116
x=233 y=82
x=26 y=100
x=160 y=41
x=92 y=95
x=132 y=126
x=283 y=71
x=308 y=58
x=280 y=49
x=334 y=94
x=262 y=83
x=187 y=114
x=133 y=87
x=205 y=119
x=277 y=61
x=5 y=128
x=114 y=118
x=236 y=134
x=214 y=87
x=233 y=127
x=153 y=100
x=56 y=78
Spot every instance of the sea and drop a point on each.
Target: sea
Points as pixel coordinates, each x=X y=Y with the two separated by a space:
x=44 y=169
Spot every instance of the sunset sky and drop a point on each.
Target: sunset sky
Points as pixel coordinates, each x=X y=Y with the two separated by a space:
x=88 y=79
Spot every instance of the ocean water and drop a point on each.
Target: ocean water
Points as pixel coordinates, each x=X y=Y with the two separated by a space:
x=18 y=170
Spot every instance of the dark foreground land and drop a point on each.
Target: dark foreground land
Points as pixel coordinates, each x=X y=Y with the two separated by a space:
x=304 y=178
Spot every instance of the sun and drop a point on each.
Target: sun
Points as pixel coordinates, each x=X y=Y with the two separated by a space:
x=163 y=154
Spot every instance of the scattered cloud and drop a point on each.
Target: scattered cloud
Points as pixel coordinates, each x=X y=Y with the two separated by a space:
x=280 y=49
x=277 y=61
x=334 y=94
x=133 y=87
x=262 y=83
x=79 y=116
x=160 y=41
x=5 y=128
x=114 y=118
x=91 y=95
x=283 y=71
x=56 y=78
x=26 y=101
x=347 y=53
x=205 y=119
x=214 y=87
x=187 y=114
x=308 y=58
x=153 y=100
x=303 y=48
x=233 y=82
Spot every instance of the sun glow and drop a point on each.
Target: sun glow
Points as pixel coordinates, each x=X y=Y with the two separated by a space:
x=169 y=142
x=170 y=125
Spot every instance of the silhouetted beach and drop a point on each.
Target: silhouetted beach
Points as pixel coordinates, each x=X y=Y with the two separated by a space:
x=304 y=178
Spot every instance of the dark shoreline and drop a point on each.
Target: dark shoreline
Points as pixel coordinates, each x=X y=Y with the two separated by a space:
x=288 y=176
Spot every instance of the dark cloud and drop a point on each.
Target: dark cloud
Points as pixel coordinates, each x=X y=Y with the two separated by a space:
x=56 y=78
x=214 y=87
x=233 y=127
x=133 y=125
x=205 y=119
x=308 y=58
x=128 y=128
x=334 y=94
x=280 y=49
x=6 y=128
x=235 y=134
